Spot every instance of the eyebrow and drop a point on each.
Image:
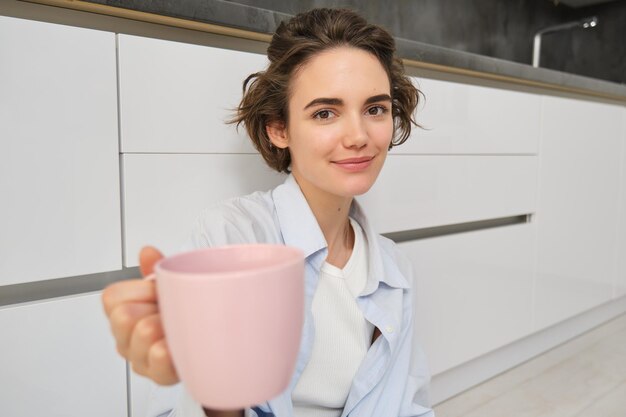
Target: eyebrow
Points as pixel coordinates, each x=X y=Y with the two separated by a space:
x=339 y=102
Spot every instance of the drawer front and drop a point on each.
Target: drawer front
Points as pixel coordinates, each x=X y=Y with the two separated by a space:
x=176 y=97
x=418 y=191
x=472 y=292
x=164 y=194
x=59 y=359
x=468 y=119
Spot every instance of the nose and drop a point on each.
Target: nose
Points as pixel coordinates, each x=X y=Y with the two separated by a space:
x=355 y=134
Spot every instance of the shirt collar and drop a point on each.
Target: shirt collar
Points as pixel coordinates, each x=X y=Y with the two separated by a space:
x=382 y=266
x=300 y=229
x=298 y=225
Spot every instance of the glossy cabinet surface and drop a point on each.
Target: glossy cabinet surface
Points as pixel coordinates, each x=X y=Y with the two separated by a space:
x=418 y=191
x=164 y=194
x=176 y=97
x=484 y=153
x=59 y=174
x=472 y=292
x=59 y=359
x=620 y=255
x=474 y=120
x=578 y=207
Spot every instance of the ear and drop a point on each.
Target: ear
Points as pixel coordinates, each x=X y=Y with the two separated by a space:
x=277 y=132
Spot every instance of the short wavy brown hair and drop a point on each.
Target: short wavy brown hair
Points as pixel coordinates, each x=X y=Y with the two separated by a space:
x=266 y=93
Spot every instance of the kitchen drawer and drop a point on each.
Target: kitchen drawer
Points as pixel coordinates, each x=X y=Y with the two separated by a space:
x=472 y=292
x=175 y=97
x=164 y=194
x=59 y=359
x=476 y=120
x=418 y=191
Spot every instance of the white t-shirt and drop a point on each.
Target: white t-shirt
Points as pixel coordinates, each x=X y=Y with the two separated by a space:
x=342 y=336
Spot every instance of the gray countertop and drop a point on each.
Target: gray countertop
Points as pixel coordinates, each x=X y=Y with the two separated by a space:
x=240 y=16
x=485 y=64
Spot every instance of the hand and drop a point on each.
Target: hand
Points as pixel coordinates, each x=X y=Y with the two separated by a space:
x=133 y=313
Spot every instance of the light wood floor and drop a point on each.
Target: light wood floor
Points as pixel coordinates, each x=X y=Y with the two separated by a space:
x=585 y=377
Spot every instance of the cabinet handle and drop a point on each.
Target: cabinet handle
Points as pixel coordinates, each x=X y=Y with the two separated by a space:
x=451 y=229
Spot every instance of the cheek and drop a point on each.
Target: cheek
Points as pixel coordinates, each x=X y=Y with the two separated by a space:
x=323 y=139
x=309 y=143
x=382 y=133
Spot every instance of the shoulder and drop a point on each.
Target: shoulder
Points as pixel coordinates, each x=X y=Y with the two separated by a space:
x=239 y=220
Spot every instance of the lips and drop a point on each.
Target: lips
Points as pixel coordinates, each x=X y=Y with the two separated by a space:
x=354 y=164
x=355 y=160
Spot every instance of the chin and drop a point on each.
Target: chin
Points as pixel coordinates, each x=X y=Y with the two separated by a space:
x=358 y=187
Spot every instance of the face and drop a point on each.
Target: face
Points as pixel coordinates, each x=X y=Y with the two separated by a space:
x=340 y=124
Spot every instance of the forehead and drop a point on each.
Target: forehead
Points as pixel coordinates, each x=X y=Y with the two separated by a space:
x=342 y=72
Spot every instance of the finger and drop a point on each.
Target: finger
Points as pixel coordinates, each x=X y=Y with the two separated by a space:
x=161 y=364
x=127 y=291
x=123 y=319
x=147 y=331
x=148 y=256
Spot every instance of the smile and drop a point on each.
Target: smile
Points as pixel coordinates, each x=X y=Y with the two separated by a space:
x=354 y=164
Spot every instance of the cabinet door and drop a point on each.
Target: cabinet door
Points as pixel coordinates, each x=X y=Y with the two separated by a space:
x=164 y=194
x=175 y=97
x=472 y=292
x=620 y=254
x=578 y=207
x=59 y=359
x=469 y=119
x=59 y=169
x=418 y=191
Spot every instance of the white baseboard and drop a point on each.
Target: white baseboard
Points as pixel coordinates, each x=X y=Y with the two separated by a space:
x=458 y=379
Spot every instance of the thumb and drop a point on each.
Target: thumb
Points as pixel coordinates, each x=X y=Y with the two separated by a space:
x=148 y=256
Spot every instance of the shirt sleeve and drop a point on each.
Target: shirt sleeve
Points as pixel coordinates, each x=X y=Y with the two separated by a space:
x=211 y=228
x=415 y=400
x=188 y=407
x=228 y=223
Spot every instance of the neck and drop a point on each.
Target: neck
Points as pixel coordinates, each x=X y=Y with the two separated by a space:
x=331 y=213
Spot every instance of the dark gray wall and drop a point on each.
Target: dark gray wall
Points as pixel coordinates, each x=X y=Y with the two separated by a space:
x=598 y=53
x=498 y=28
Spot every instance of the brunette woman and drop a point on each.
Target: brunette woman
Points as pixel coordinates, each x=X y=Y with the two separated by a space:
x=332 y=102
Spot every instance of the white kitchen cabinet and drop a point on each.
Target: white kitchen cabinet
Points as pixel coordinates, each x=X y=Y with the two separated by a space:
x=472 y=292
x=418 y=191
x=59 y=359
x=469 y=119
x=578 y=207
x=175 y=97
x=59 y=170
x=164 y=194
x=620 y=255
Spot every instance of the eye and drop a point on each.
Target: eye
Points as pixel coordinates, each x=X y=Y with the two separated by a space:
x=377 y=110
x=323 y=114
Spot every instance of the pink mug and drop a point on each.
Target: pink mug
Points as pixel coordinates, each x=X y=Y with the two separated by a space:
x=232 y=317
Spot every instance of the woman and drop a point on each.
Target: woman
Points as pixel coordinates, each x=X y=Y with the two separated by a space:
x=332 y=102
